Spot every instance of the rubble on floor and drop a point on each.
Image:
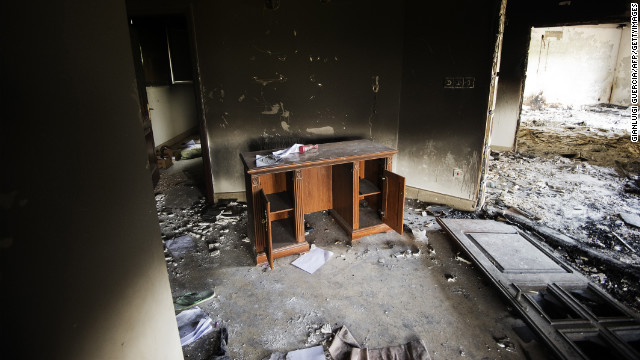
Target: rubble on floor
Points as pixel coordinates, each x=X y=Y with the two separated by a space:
x=577 y=199
x=575 y=172
x=598 y=134
x=387 y=288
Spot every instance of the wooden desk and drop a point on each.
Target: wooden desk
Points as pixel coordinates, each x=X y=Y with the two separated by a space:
x=339 y=177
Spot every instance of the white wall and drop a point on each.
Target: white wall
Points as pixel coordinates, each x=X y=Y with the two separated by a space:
x=173 y=111
x=621 y=88
x=577 y=68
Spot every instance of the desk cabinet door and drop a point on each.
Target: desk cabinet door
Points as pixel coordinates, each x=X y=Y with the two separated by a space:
x=264 y=211
x=393 y=200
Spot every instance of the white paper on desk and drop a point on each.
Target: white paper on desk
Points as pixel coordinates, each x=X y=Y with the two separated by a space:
x=282 y=153
x=313 y=260
x=312 y=353
x=267 y=160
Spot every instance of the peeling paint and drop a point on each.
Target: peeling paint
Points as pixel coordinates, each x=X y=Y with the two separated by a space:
x=285 y=113
x=375 y=85
x=284 y=125
x=224 y=119
x=281 y=78
x=326 y=130
x=275 y=109
x=241 y=98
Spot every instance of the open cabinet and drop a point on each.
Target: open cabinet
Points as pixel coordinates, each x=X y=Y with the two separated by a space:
x=351 y=179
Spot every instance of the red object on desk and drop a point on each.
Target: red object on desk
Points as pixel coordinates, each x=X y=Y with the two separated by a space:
x=305 y=148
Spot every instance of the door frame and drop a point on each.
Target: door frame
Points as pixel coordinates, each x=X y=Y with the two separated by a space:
x=187 y=11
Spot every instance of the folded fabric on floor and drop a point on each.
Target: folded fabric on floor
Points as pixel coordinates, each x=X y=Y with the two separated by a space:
x=345 y=347
x=192 y=325
x=193 y=298
x=223 y=352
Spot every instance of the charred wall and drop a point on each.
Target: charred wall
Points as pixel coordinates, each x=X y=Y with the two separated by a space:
x=443 y=129
x=308 y=71
x=510 y=84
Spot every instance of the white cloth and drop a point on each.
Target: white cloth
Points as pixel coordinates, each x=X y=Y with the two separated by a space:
x=192 y=325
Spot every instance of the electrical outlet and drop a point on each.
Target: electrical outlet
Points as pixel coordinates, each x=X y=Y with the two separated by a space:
x=457 y=174
x=459 y=82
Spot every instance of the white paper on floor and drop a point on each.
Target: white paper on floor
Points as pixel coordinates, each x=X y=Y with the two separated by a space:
x=313 y=260
x=312 y=353
x=192 y=325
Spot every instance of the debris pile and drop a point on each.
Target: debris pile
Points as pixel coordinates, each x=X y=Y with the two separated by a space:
x=578 y=199
x=575 y=173
x=598 y=134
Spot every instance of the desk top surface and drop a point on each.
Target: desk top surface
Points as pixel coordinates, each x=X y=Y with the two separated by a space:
x=327 y=154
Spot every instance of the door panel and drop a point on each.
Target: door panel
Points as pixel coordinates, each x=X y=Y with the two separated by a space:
x=144 y=105
x=566 y=310
x=343 y=193
x=265 y=210
x=393 y=200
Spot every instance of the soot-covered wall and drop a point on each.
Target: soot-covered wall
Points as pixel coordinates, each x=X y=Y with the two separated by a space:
x=307 y=71
x=444 y=129
x=82 y=270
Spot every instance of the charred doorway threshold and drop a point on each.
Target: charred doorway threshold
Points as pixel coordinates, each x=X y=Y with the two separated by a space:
x=576 y=319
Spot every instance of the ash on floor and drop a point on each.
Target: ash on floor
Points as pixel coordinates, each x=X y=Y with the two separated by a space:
x=576 y=172
x=386 y=288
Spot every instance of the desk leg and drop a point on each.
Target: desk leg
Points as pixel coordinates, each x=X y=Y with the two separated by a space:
x=298 y=207
x=355 y=193
x=257 y=216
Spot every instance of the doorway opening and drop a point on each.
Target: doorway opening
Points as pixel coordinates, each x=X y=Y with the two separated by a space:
x=576 y=95
x=166 y=73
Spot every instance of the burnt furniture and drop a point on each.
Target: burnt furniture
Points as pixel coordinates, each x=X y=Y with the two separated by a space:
x=351 y=179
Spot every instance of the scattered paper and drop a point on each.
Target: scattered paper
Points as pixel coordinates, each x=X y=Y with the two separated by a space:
x=420 y=234
x=180 y=245
x=192 y=325
x=313 y=260
x=266 y=160
x=293 y=149
x=631 y=219
x=276 y=156
x=312 y=353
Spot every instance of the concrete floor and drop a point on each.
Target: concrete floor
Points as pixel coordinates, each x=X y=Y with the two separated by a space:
x=384 y=300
